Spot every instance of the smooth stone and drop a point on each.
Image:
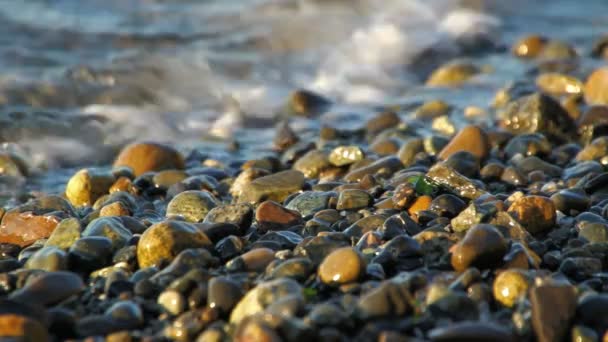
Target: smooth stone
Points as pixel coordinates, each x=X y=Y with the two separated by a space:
x=386 y=167
x=310 y=202
x=240 y=214
x=558 y=84
x=388 y=299
x=353 y=199
x=471 y=139
x=342 y=266
x=595 y=232
x=242 y=181
x=408 y=151
x=571 y=199
x=529 y=46
x=317 y=248
x=110 y=227
x=192 y=205
x=114 y=209
x=597 y=149
x=581 y=333
x=90 y=253
x=312 y=163
x=420 y=203
x=533 y=163
x=188 y=260
x=464 y=162
x=218 y=231
x=273 y=216
x=172 y=301
x=165 y=240
x=473 y=214
x=452 y=74
x=166 y=178
x=529 y=144
x=284 y=239
x=382 y=121
x=34 y=220
x=537 y=113
x=535 y=213
x=580 y=268
x=229 y=247
x=447 y=205
x=553 y=308
x=49 y=288
x=365 y=225
x=126 y=312
x=592 y=311
x=260 y=297
x=284 y=136
x=254 y=260
x=581 y=169
x=296 y=268
x=596 y=87
x=149 y=156
x=87 y=185
x=21 y=328
x=306 y=103
x=454 y=182
x=593 y=123
x=65 y=234
x=48 y=259
x=345 y=155
x=483 y=247
x=275 y=187
x=510 y=286
x=472 y=331
x=223 y=294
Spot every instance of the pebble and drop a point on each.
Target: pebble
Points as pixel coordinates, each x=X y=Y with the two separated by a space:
x=342 y=266
x=48 y=259
x=110 y=227
x=49 y=288
x=310 y=202
x=529 y=46
x=312 y=163
x=345 y=155
x=273 y=216
x=20 y=328
x=596 y=86
x=591 y=311
x=165 y=240
x=149 y=156
x=483 y=247
x=382 y=167
x=353 y=200
x=262 y=296
x=65 y=233
x=386 y=300
x=87 y=185
x=172 y=301
x=510 y=286
x=192 y=205
x=223 y=294
x=553 y=307
x=472 y=331
x=535 y=213
x=452 y=74
x=239 y=214
x=471 y=139
x=559 y=84
x=274 y=187
x=454 y=182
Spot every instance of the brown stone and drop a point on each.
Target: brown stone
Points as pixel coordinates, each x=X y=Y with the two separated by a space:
x=21 y=328
x=122 y=184
x=257 y=259
x=272 y=216
x=149 y=156
x=471 y=139
x=87 y=185
x=452 y=74
x=420 y=203
x=483 y=247
x=165 y=240
x=596 y=87
x=24 y=228
x=535 y=213
x=529 y=47
x=342 y=266
x=114 y=209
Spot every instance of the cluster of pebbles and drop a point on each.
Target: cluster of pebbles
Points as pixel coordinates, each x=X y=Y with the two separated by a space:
x=491 y=231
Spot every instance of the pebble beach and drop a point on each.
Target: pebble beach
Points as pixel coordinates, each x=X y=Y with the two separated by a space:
x=454 y=188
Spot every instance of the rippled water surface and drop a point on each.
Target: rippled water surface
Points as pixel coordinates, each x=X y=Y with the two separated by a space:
x=78 y=79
